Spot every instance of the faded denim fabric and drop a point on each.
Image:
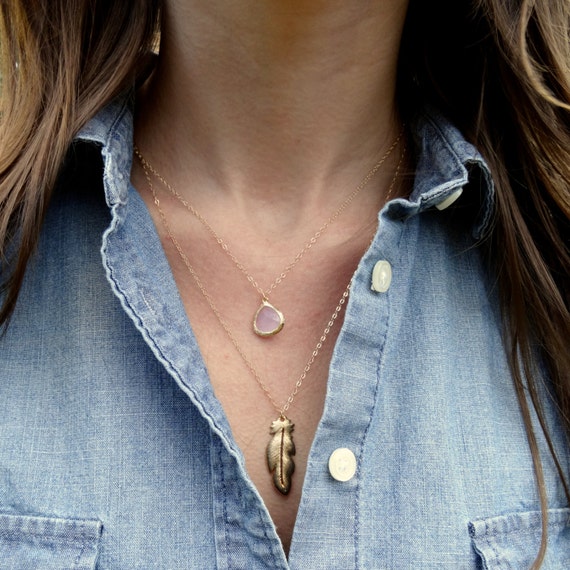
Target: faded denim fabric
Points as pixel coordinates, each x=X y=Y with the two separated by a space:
x=115 y=454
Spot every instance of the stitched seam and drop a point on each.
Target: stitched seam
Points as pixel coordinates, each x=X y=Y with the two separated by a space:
x=224 y=506
x=380 y=355
x=276 y=554
x=147 y=303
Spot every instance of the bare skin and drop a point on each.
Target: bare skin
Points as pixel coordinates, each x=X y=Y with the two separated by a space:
x=265 y=116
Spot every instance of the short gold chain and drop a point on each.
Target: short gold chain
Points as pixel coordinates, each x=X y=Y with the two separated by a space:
x=285 y=407
x=265 y=293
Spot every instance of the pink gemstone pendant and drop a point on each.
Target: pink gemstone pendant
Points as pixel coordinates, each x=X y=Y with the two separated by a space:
x=268 y=320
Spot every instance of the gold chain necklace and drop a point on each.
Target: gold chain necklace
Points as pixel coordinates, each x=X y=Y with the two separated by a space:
x=268 y=320
x=281 y=448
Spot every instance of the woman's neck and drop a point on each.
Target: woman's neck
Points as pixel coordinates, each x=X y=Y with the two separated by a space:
x=265 y=100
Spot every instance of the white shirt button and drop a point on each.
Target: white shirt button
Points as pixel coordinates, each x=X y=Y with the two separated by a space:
x=445 y=203
x=381 y=276
x=342 y=464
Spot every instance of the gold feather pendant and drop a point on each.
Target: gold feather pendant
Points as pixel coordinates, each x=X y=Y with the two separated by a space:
x=280 y=451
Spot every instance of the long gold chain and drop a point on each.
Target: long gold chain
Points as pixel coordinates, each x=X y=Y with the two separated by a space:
x=281 y=409
x=281 y=447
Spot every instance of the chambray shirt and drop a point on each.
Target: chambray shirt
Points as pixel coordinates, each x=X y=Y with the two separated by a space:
x=115 y=454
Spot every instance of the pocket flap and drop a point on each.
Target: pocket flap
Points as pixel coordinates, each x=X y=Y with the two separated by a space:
x=42 y=543
x=512 y=541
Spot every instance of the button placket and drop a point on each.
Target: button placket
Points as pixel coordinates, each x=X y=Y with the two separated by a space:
x=334 y=469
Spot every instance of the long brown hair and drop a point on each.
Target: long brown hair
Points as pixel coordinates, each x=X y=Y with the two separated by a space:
x=501 y=72
x=60 y=63
x=498 y=68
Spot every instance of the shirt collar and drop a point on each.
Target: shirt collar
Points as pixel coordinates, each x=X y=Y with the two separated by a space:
x=112 y=130
x=445 y=160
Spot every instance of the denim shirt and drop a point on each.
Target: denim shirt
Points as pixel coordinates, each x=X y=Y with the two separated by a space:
x=115 y=454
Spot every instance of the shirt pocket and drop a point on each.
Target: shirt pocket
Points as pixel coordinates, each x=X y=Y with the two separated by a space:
x=42 y=543
x=511 y=542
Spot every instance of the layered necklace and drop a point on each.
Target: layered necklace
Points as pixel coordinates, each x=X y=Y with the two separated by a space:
x=268 y=320
x=281 y=448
